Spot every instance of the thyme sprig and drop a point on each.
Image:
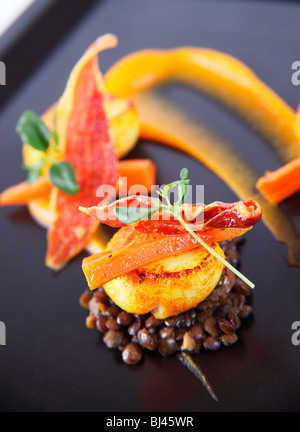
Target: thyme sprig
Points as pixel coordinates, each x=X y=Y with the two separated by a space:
x=33 y=131
x=131 y=215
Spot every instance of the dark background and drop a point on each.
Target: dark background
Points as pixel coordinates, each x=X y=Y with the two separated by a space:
x=51 y=361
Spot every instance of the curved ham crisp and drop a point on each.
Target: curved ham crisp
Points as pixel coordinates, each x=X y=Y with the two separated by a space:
x=216 y=216
x=86 y=144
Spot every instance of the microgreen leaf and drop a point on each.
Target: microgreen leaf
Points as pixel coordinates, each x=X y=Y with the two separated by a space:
x=33 y=131
x=34 y=172
x=183 y=187
x=62 y=176
x=184 y=174
x=183 y=193
x=55 y=133
x=128 y=215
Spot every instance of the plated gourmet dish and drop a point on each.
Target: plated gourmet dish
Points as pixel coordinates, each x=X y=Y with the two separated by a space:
x=168 y=279
x=157 y=274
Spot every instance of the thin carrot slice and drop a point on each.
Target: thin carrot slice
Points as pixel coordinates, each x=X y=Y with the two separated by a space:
x=137 y=172
x=23 y=193
x=102 y=268
x=86 y=144
x=278 y=185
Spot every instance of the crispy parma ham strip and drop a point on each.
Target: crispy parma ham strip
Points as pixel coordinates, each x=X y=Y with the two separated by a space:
x=216 y=216
x=105 y=213
x=86 y=144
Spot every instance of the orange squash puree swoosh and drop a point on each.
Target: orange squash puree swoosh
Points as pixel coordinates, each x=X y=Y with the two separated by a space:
x=86 y=144
x=203 y=144
x=218 y=74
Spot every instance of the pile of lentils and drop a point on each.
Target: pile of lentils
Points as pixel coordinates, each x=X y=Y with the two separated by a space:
x=212 y=324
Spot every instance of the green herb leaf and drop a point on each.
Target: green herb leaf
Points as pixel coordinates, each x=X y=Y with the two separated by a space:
x=33 y=131
x=183 y=187
x=56 y=139
x=55 y=133
x=183 y=194
x=184 y=174
x=62 y=176
x=34 y=172
x=128 y=215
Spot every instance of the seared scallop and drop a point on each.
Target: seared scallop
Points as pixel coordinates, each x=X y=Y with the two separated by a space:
x=170 y=286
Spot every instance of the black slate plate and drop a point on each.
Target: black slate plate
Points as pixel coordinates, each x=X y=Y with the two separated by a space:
x=51 y=361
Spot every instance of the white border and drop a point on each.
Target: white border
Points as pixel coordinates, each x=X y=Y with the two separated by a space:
x=10 y=11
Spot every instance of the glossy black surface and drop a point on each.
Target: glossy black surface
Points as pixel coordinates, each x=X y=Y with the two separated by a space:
x=51 y=361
